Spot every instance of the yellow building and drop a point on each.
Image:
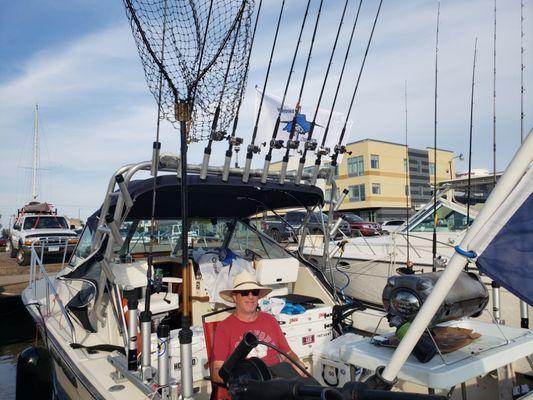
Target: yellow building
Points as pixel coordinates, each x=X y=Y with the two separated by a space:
x=378 y=179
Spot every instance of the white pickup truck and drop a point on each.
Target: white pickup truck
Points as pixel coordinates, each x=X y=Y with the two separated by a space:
x=48 y=234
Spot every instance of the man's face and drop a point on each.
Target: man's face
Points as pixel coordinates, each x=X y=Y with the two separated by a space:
x=245 y=302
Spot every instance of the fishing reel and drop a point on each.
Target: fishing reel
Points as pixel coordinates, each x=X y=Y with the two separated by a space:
x=342 y=149
x=293 y=144
x=253 y=148
x=234 y=140
x=276 y=144
x=218 y=136
x=252 y=379
x=310 y=145
x=323 y=151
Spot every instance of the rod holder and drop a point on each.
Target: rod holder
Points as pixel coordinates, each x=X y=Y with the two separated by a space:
x=299 y=172
x=283 y=172
x=113 y=228
x=146 y=334
x=341 y=199
x=247 y=166
x=185 y=338
x=205 y=164
x=314 y=177
x=124 y=191
x=524 y=315
x=155 y=158
x=335 y=227
x=227 y=165
x=266 y=167
x=496 y=301
x=132 y=333
x=163 y=357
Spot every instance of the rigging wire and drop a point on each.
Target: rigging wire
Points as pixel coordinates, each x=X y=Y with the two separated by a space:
x=407 y=189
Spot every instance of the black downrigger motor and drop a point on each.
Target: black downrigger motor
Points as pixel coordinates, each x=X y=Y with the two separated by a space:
x=252 y=379
x=404 y=295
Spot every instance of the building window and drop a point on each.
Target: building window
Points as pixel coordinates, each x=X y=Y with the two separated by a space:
x=356 y=166
x=374 y=161
x=357 y=192
x=327 y=194
x=376 y=188
x=431 y=168
x=405 y=165
x=407 y=190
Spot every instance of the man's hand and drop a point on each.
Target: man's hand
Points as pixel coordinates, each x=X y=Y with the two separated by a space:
x=215 y=368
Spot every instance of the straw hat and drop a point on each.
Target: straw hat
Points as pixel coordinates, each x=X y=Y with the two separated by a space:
x=244 y=281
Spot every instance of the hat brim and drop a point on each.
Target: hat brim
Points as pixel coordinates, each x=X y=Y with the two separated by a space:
x=228 y=293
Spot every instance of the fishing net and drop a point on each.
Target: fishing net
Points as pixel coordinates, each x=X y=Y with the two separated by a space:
x=197 y=51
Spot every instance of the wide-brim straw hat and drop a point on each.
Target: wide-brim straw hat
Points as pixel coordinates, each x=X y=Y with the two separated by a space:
x=244 y=281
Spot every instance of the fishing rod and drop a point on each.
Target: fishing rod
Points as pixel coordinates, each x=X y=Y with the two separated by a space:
x=293 y=144
x=233 y=140
x=434 y=246
x=524 y=313
x=326 y=130
x=277 y=144
x=339 y=148
x=252 y=147
x=470 y=137
x=494 y=103
x=311 y=145
x=217 y=135
x=408 y=263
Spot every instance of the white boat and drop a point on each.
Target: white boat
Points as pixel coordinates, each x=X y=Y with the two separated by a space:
x=365 y=263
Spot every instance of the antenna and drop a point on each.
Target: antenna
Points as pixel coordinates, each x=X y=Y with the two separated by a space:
x=35 y=164
x=435 y=144
x=470 y=136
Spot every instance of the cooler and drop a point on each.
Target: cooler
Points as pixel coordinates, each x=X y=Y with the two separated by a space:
x=328 y=369
x=306 y=331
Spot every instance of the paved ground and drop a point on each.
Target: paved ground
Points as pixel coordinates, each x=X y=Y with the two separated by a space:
x=14 y=278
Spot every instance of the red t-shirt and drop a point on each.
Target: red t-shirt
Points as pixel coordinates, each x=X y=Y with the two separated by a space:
x=229 y=333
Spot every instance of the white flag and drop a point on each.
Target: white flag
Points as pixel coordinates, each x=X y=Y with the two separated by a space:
x=269 y=114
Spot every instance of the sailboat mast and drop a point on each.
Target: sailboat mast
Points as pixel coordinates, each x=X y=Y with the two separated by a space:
x=35 y=164
x=521 y=71
x=407 y=190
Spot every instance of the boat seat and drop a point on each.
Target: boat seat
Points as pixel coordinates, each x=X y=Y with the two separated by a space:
x=163 y=302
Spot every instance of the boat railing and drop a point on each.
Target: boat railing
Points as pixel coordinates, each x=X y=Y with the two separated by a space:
x=38 y=271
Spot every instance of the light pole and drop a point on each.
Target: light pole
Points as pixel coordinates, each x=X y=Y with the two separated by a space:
x=460 y=157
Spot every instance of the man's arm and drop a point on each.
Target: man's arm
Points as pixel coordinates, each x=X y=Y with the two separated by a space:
x=215 y=368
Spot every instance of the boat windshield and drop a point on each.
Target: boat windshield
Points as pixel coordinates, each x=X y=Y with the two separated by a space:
x=204 y=234
x=448 y=220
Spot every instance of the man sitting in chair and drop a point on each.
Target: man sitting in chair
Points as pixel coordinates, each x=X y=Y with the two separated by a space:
x=245 y=294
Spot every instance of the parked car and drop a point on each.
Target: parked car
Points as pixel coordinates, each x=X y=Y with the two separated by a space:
x=394 y=225
x=358 y=224
x=276 y=229
x=314 y=226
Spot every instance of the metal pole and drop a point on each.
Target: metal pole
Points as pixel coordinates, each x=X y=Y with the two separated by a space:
x=163 y=355
x=35 y=165
x=132 y=330
x=434 y=248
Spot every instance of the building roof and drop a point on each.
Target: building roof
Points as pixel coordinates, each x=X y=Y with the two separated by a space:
x=393 y=143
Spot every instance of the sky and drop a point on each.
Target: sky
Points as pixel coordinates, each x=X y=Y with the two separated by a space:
x=78 y=61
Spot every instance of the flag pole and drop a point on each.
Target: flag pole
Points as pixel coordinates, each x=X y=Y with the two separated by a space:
x=506 y=184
